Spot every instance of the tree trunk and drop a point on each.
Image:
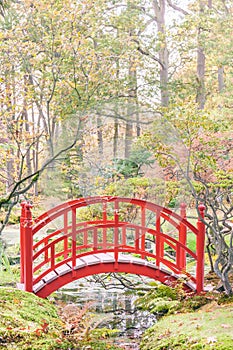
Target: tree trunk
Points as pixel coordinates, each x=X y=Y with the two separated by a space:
x=27 y=129
x=201 y=94
x=221 y=84
x=115 y=138
x=116 y=123
x=100 y=135
x=131 y=104
x=159 y=10
x=35 y=151
x=10 y=162
x=128 y=137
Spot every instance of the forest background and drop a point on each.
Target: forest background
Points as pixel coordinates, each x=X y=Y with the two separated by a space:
x=129 y=98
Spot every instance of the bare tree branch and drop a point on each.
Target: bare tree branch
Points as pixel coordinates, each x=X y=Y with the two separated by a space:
x=17 y=190
x=177 y=8
x=146 y=53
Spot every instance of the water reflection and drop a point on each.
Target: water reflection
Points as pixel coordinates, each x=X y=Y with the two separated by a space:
x=115 y=309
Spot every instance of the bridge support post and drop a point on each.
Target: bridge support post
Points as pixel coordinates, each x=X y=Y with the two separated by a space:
x=22 y=240
x=182 y=238
x=159 y=240
x=27 y=249
x=200 y=249
x=116 y=238
x=143 y=233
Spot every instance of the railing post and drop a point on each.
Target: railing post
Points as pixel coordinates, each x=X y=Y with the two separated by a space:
x=27 y=250
x=104 y=229
x=116 y=240
x=65 y=219
x=200 y=249
x=181 y=259
x=22 y=239
x=159 y=240
x=95 y=239
x=73 y=244
x=143 y=233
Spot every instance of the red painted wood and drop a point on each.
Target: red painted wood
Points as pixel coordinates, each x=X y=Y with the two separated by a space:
x=200 y=249
x=22 y=240
x=65 y=233
x=107 y=268
x=28 y=242
x=181 y=255
x=73 y=235
x=104 y=221
x=143 y=233
x=51 y=256
x=116 y=237
x=158 y=239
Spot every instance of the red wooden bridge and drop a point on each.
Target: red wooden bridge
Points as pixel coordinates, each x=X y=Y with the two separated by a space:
x=97 y=235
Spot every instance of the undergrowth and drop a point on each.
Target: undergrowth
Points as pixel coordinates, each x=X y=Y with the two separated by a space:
x=28 y=322
x=162 y=300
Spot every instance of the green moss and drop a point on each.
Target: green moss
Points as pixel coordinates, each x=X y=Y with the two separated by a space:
x=211 y=328
x=182 y=342
x=160 y=300
x=28 y=322
x=98 y=345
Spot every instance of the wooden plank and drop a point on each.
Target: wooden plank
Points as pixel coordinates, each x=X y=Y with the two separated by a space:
x=153 y=265
x=90 y=259
x=138 y=261
x=38 y=286
x=122 y=258
x=104 y=257
x=63 y=269
x=51 y=276
x=78 y=265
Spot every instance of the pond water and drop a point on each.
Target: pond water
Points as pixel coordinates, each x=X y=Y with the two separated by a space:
x=114 y=308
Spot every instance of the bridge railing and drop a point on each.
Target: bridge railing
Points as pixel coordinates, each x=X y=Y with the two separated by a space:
x=109 y=233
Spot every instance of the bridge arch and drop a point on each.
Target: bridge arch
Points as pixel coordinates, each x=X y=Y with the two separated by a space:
x=114 y=234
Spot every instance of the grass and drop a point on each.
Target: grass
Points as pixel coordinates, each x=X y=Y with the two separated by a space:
x=211 y=327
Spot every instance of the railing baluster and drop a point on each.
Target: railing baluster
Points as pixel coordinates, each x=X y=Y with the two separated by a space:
x=137 y=240
x=66 y=235
x=28 y=260
x=52 y=256
x=73 y=240
x=181 y=254
x=104 y=229
x=46 y=255
x=143 y=233
x=200 y=249
x=116 y=221
x=95 y=239
x=22 y=240
x=159 y=240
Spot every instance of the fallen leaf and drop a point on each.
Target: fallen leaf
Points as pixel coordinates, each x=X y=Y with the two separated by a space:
x=223 y=325
x=38 y=332
x=211 y=340
x=16 y=301
x=45 y=327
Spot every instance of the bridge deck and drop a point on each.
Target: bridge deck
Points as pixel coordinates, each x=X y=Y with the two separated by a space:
x=107 y=258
